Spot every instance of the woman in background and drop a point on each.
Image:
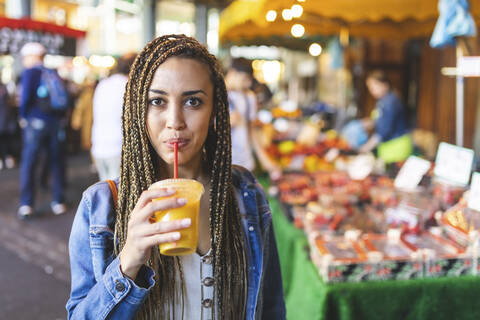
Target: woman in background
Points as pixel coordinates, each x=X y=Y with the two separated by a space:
x=388 y=122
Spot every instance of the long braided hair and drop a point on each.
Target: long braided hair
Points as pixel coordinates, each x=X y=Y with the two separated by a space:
x=139 y=169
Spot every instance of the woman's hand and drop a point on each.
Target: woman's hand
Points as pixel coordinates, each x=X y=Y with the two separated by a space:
x=368 y=124
x=142 y=235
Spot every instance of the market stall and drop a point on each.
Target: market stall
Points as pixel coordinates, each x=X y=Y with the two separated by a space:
x=355 y=243
x=307 y=296
x=332 y=216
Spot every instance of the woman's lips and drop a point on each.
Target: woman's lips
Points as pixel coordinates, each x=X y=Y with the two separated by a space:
x=181 y=143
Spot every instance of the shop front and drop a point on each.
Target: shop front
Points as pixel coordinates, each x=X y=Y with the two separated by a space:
x=360 y=238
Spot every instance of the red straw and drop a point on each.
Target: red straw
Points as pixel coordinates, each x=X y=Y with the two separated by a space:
x=175 y=160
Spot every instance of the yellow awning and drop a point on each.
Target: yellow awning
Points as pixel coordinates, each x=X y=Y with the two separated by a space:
x=398 y=19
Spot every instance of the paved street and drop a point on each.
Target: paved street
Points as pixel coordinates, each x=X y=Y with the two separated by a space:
x=34 y=270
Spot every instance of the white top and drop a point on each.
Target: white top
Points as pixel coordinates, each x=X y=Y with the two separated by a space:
x=199 y=284
x=107 y=117
x=246 y=106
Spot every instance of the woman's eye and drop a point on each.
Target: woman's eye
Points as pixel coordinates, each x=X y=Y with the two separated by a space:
x=156 y=102
x=193 y=102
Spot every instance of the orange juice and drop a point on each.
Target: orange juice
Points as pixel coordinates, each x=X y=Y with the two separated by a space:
x=192 y=191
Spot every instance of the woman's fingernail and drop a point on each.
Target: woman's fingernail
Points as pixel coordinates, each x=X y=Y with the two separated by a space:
x=181 y=201
x=176 y=236
x=186 y=222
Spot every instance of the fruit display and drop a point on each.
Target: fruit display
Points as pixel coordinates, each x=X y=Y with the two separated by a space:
x=394 y=227
x=441 y=257
x=360 y=225
x=287 y=146
x=461 y=224
x=413 y=211
x=295 y=189
x=340 y=259
x=279 y=112
x=398 y=261
x=318 y=217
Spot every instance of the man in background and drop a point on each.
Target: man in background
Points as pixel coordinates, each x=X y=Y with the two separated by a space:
x=42 y=132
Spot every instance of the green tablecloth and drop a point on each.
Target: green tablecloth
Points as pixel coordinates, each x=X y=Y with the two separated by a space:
x=308 y=297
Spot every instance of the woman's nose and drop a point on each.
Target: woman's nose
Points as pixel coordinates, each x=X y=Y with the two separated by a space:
x=175 y=117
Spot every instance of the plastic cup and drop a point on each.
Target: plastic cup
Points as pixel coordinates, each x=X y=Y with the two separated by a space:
x=192 y=191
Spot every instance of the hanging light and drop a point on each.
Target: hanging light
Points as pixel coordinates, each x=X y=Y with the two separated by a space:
x=297 y=10
x=287 y=14
x=315 y=49
x=271 y=15
x=297 y=30
x=301 y=0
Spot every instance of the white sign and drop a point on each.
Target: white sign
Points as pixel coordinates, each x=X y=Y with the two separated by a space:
x=453 y=163
x=468 y=66
x=474 y=194
x=361 y=166
x=12 y=40
x=255 y=52
x=412 y=173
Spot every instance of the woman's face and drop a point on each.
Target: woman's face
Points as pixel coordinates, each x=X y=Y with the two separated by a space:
x=377 y=88
x=238 y=81
x=180 y=104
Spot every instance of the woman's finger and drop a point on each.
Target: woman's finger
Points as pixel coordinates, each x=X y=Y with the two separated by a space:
x=163 y=227
x=148 y=195
x=158 y=205
x=160 y=238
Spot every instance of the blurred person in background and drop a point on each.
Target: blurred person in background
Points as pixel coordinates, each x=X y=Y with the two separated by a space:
x=7 y=129
x=73 y=140
x=243 y=114
x=43 y=103
x=388 y=122
x=107 y=120
x=82 y=116
x=71 y=144
x=243 y=111
x=263 y=94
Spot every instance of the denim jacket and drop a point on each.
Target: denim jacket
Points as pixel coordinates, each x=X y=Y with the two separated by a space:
x=100 y=291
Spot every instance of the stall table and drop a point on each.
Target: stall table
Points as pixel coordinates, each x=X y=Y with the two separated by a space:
x=308 y=297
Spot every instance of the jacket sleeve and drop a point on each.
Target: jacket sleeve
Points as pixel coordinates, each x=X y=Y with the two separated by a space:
x=273 y=301
x=114 y=296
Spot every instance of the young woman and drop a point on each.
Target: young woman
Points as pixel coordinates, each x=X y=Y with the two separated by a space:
x=388 y=121
x=175 y=93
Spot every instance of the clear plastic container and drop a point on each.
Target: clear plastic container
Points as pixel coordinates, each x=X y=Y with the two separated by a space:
x=447 y=193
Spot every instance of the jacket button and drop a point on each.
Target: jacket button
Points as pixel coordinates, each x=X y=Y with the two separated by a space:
x=119 y=286
x=250 y=228
x=207 y=259
x=245 y=194
x=207 y=303
x=208 y=281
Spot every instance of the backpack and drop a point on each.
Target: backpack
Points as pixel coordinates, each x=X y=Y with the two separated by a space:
x=52 y=90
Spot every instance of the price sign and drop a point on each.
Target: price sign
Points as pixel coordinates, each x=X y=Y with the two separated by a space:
x=453 y=163
x=474 y=195
x=412 y=173
x=469 y=66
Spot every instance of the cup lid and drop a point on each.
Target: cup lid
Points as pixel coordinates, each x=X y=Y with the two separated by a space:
x=179 y=184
